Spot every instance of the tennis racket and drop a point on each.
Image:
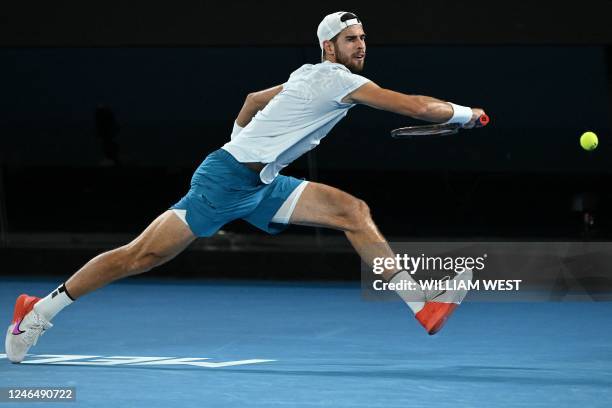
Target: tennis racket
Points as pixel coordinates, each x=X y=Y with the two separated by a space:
x=437 y=129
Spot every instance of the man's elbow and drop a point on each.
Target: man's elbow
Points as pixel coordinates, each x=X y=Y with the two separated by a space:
x=256 y=100
x=251 y=100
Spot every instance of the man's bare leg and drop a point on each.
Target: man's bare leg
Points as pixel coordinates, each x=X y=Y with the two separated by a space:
x=324 y=206
x=321 y=205
x=162 y=240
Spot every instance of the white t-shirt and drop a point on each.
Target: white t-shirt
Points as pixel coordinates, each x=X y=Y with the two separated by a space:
x=296 y=119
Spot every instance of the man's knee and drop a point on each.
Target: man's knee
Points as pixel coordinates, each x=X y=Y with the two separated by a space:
x=139 y=260
x=357 y=214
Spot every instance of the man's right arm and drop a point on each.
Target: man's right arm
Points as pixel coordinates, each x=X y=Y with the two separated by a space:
x=416 y=106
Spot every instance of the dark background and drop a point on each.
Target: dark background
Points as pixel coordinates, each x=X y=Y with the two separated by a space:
x=175 y=75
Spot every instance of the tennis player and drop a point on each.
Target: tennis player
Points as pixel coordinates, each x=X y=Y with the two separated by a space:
x=242 y=180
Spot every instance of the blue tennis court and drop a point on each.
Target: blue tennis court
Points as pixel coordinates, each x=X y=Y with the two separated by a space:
x=158 y=343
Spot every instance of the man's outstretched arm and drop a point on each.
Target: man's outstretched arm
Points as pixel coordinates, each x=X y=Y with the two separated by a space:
x=255 y=102
x=416 y=106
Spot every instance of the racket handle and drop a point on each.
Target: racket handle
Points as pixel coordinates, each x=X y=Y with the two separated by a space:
x=483 y=120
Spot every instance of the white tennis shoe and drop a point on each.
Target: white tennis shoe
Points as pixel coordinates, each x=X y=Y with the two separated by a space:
x=25 y=329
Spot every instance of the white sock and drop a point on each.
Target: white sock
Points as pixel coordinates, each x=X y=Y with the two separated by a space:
x=410 y=297
x=53 y=303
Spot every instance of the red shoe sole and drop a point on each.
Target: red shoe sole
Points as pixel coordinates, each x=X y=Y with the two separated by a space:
x=23 y=306
x=434 y=315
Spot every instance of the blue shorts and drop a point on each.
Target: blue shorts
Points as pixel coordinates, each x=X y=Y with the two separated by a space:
x=223 y=190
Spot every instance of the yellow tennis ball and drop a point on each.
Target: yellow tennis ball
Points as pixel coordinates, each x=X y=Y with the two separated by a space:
x=588 y=141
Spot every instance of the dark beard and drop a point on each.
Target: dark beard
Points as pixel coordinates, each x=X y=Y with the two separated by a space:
x=348 y=62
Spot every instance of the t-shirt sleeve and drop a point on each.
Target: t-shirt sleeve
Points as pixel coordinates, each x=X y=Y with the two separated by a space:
x=347 y=83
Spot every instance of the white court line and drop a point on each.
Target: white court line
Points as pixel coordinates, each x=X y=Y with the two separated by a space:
x=83 y=360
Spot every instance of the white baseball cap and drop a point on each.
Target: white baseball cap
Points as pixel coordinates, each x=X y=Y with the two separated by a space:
x=334 y=23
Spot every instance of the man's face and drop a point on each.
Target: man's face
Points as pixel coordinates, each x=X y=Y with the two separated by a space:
x=350 y=48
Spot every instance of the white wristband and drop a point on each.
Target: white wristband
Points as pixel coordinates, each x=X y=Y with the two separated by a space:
x=461 y=114
x=236 y=129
